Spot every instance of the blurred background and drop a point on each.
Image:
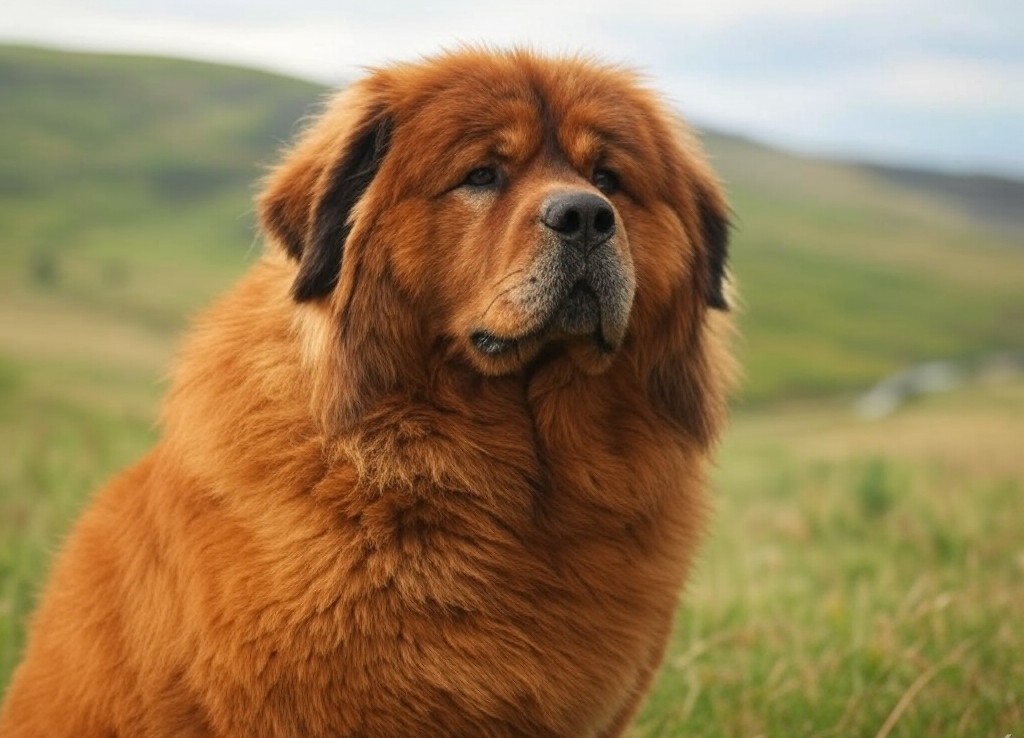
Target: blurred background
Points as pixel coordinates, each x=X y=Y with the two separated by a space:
x=864 y=574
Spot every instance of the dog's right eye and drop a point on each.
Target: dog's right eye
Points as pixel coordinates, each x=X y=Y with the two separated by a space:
x=481 y=177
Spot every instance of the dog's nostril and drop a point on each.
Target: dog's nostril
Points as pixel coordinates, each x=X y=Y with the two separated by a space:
x=570 y=222
x=564 y=216
x=604 y=221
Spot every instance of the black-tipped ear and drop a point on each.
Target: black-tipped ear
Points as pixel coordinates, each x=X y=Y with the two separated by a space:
x=714 y=226
x=320 y=262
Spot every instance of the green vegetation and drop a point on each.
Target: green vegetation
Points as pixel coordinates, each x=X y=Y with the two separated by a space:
x=126 y=183
x=858 y=574
x=849 y=277
x=859 y=578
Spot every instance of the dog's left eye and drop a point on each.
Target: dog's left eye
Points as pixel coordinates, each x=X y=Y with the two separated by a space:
x=607 y=181
x=481 y=177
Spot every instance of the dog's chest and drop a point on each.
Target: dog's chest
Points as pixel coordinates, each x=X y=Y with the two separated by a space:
x=532 y=623
x=518 y=587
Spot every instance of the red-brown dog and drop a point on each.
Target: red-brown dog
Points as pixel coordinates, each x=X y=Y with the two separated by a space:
x=435 y=466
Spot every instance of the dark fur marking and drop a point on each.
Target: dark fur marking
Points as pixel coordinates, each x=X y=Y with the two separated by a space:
x=320 y=264
x=548 y=122
x=715 y=229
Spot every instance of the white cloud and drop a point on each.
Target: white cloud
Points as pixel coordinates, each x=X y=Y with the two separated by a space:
x=857 y=66
x=713 y=15
x=939 y=83
x=326 y=48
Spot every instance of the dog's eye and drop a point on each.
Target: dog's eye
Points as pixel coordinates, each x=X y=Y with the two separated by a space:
x=607 y=181
x=481 y=177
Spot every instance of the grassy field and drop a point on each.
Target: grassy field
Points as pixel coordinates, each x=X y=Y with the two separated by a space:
x=860 y=579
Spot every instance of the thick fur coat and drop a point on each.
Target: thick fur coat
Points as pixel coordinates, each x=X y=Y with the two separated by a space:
x=435 y=466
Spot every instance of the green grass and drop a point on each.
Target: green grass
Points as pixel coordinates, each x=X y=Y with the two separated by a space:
x=859 y=577
x=64 y=428
x=852 y=566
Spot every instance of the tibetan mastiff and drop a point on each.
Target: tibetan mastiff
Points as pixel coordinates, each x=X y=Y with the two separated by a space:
x=435 y=466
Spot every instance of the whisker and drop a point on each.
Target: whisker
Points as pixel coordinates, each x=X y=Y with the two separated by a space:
x=503 y=292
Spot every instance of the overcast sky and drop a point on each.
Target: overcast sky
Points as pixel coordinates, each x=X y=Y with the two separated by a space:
x=932 y=82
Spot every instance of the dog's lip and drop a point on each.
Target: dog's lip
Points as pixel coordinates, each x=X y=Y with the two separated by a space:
x=494 y=345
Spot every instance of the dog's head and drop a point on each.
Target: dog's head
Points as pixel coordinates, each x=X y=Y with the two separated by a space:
x=505 y=207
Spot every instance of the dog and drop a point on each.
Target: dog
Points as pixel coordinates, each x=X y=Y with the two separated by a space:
x=435 y=466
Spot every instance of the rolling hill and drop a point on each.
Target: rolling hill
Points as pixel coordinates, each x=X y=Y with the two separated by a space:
x=125 y=197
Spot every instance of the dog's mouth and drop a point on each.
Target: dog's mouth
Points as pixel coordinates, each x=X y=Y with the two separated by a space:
x=577 y=315
x=564 y=302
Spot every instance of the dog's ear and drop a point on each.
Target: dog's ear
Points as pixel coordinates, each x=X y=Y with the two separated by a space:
x=714 y=227
x=686 y=362
x=700 y=203
x=311 y=207
x=307 y=203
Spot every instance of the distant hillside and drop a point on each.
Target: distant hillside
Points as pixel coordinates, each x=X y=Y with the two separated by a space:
x=125 y=198
x=847 y=273
x=997 y=201
x=185 y=129
x=126 y=182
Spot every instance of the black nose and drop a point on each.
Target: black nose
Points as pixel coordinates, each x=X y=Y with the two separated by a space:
x=582 y=219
